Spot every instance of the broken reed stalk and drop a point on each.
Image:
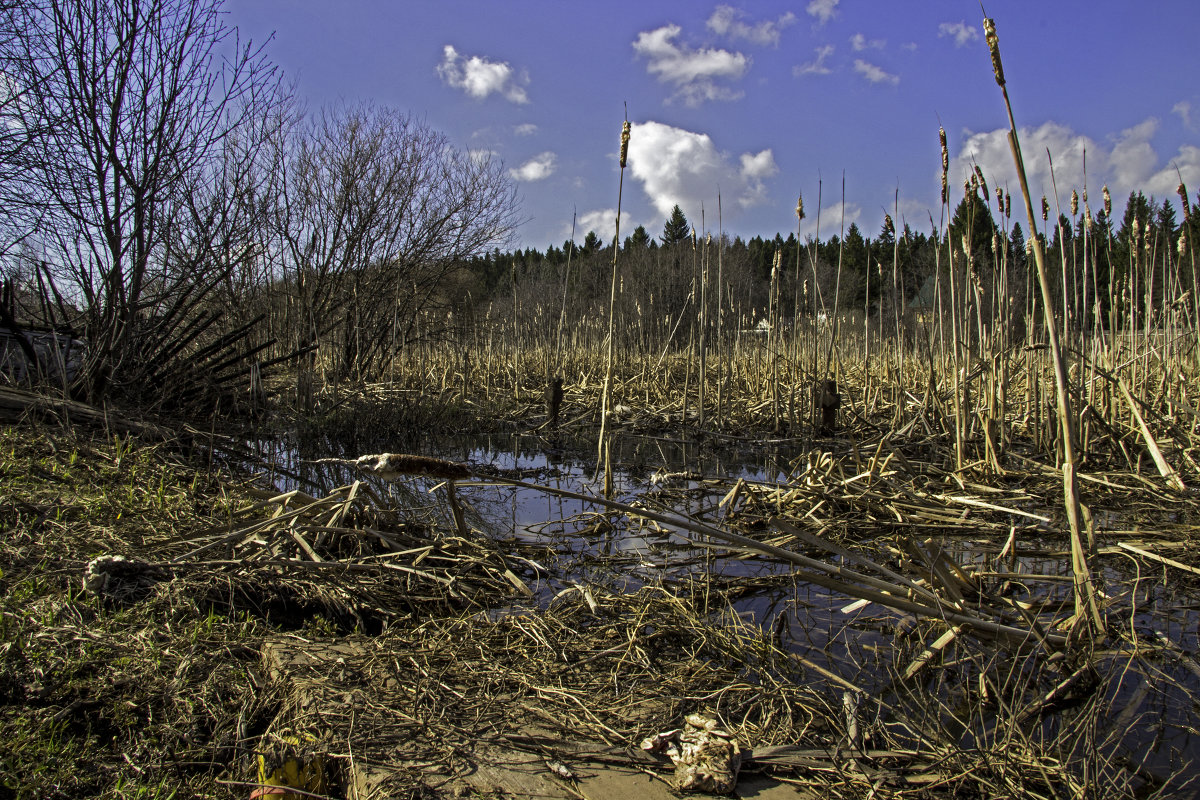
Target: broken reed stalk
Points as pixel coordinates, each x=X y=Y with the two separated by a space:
x=1086 y=606
x=606 y=396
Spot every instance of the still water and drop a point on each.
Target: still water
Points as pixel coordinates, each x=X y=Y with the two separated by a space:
x=1147 y=703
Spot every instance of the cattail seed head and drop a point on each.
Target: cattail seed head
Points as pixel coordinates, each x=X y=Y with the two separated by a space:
x=1074 y=202
x=1007 y=204
x=1029 y=246
x=993 y=41
x=1182 y=241
x=800 y=207
x=982 y=182
x=945 y=165
x=1136 y=229
x=1045 y=209
x=888 y=225
x=1107 y=202
x=625 y=129
x=995 y=242
x=1183 y=200
x=1087 y=216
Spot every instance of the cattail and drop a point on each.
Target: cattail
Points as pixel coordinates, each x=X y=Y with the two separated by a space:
x=982 y=182
x=989 y=29
x=1000 y=198
x=966 y=245
x=945 y=165
x=1136 y=230
x=1107 y=202
x=1007 y=204
x=800 y=207
x=1045 y=209
x=1074 y=202
x=1087 y=216
x=1029 y=246
x=625 y=142
x=995 y=242
x=888 y=225
x=1182 y=241
x=967 y=187
x=1183 y=200
x=1085 y=196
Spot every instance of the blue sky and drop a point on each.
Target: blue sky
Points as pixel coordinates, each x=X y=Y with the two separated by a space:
x=762 y=101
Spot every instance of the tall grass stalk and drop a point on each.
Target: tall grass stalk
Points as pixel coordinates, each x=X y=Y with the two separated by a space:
x=606 y=396
x=1086 y=606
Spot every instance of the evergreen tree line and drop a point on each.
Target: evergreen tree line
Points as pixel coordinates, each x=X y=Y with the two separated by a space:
x=1101 y=273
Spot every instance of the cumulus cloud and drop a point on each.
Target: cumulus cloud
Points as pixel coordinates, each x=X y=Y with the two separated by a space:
x=990 y=150
x=537 y=168
x=680 y=167
x=527 y=129
x=962 y=33
x=858 y=43
x=874 y=74
x=1184 y=110
x=602 y=222
x=481 y=155
x=479 y=77
x=822 y=10
x=818 y=66
x=727 y=21
x=1133 y=156
x=694 y=72
x=1130 y=164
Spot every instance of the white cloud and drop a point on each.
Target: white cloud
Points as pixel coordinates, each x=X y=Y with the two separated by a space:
x=1131 y=164
x=479 y=77
x=962 y=33
x=817 y=67
x=1133 y=157
x=874 y=74
x=527 y=129
x=602 y=222
x=481 y=156
x=679 y=167
x=991 y=152
x=1184 y=109
x=823 y=10
x=1185 y=165
x=726 y=21
x=537 y=168
x=834 y=217
x=858 y=43
x=757 y=166
x=693 y=72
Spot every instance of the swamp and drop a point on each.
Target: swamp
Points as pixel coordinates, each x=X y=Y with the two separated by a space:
x=310 y=493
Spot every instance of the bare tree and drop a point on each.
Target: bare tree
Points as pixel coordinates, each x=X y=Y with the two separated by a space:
x=377 y=210
x=136 y=105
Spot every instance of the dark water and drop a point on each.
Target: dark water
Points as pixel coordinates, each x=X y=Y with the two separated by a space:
x=1149 y=709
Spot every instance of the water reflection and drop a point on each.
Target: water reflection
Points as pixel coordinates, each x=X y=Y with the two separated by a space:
x=566 y=542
